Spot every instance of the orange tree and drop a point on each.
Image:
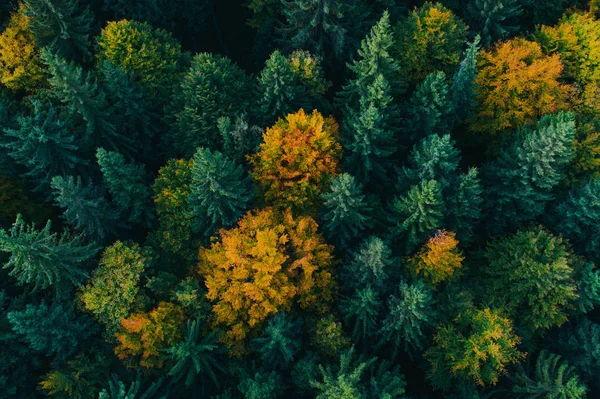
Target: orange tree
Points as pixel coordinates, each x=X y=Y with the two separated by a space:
x=263 y=266
x=297 y=160
x=516 y=85
x=438 y=259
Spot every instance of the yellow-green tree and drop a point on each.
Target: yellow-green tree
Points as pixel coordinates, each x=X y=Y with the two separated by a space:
x=297 y=160
x=263 y=266
x=20 y=63
x=516 y=85
x=438 y=259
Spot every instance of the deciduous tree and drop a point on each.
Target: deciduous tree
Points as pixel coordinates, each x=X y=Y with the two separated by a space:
x=438 y=259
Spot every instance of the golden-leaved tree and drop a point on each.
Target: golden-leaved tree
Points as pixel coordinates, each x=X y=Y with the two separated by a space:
x=263 y=266
x=438 y=259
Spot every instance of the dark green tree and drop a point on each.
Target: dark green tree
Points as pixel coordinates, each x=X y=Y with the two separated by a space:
x=360 y=313
x=386 y=381
x=213 y=87
x=196 y=355
x=239 y=137
x=372 y=264
x=551 y=378
x=410 y=317
x=63 y=26
x=417 y=214
x=84 y=207
x=493 y=20
x=44 y=258
x=580 y=345
x=463 y=205
x=261 y=384
x=128 y=184
x=588 y=282
x=220 y=191
x=520 y=182
x=279 y=342
x=462 y=91
x=51 y=329
x=346 y=213
x=117 y=390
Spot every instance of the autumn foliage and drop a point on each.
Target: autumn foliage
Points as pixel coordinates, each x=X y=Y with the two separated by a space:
x=263 y=266
x=438 y=259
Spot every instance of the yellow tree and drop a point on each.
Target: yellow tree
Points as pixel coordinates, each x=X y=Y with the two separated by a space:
x=516 y=85
x=438 y=259
x=263 y=266
x=20 y=63
x=297 y=160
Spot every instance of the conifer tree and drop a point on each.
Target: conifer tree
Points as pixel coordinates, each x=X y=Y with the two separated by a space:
x=63 y=26
x=410 y=315
x=417 y=214
x=520 y=182
x=44 y=145
x=588 y=284
x=279 y=342
x=463 y=205
x=372 y=264
x=239 y=137
x=261 y=384
x=493 y=20
x=196 y=355
x=220 y=191
x=430 y=108
x=360 y=313
x=117 y=390
x=346 y=212
x=386 y=380
x=551 y=378
x=128 y=185
x=85 y=208
x=43 y=258
x=580 y=345
x=462 y=91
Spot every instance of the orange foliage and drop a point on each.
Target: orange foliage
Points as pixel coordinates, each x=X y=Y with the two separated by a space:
x=438 y=259
x=297 y=160
x=146 y=334
x=516 y=85
x=261 y=267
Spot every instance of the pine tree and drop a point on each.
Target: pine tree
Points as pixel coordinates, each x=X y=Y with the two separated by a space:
x=220 y=191
x=45 y=146
x=128 y=185
x=346 y=214
x=280 y=341
x=239 y=137
x=117 y=390
x=520 y=182
x=552 y=378
x=430 y=109
x=411 y=314
x=463 y=205
x=43 y=258
x=63 y=26
x=462 y=91
x=386 y=380
x=372 y=264
x=417 y=214
x=494 y=20
x=85 y=208
x=196 y=355
x=360 y=313
x=51 y=329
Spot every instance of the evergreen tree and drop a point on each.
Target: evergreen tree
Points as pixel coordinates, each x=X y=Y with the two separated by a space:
x=520 y=182
x=346 y=213
x=239 y=137
x=493 y=20
x=417 y=214
x=552 y=378
x=195 y=355
x=45 y=258
x=386 y=381
x=462 y=91
x=279 y=342
x=85 y=208
x=430 y=108
x=63 y=26
x=128 y=185
x=261 y=384
x=463 y=205
x=372 y=264
x=220 y=191
x=580 y=345
x=44 y=145
x=117 y=390
x=360 y=313
x=51 y=329
x=410 y=317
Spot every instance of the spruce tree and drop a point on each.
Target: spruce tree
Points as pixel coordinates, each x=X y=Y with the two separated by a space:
x=462 y=91
x=279 y=342
x=520 y=182
x=417 y=215
x=463 y=203
x=51 y=329
x=239 y=137
x=579 y=343
x=84 y=207
x=386 y=380
x=346 y=213
x=63 y=26
x=44 y=258
x=261 y=384
x=360 y=313
x=128 y=185
x=372 y=264
x=220 y=191
x=494 y=20
x=117 y=390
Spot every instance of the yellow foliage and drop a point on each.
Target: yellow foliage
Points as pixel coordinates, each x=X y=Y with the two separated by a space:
x=516 y=85
x=297 y=160
x=438 y=259
x=20 y=63
x=261 y=267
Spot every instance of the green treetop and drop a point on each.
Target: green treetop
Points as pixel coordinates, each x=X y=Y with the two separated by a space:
x=360 y=313
x=280 y=341
x=462 y=91
x=494 y=20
